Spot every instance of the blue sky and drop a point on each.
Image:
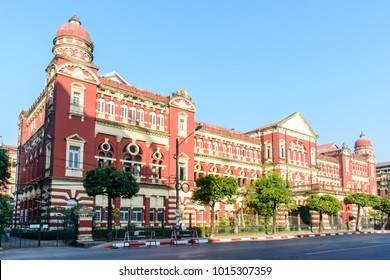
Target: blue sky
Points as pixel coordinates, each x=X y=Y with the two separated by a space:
x=245 y=63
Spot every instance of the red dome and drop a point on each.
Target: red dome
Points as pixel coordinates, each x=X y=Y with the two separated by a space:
x=362 y=141
x=73 y=28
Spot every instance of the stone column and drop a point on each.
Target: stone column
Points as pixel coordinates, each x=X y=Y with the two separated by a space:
x=85 y=222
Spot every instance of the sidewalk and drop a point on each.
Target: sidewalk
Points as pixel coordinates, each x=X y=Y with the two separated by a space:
x=224 y=239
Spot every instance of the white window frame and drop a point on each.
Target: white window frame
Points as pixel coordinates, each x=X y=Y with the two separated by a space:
x=137 y=215
x=98 y=214
x=78 y=142
x=73 y=157
x=133 y=114
x=77 y=92
x=124 y=214
x=161 y=120
x=153 y=119
x=100 y=105
x=124 y=111
x=141 y=115
x=182 y=124
x=111 y=108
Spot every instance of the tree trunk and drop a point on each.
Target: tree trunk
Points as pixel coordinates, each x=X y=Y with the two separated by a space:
x=385 y=222
x=242 y=217
x=275 y=212
x=212 y=209
x=109 y=220
x=358 y=219
x=321 y=223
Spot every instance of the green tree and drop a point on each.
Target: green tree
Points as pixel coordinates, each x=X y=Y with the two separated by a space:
x=361 y=200
x=272 y=191
x=5 y=211
x=113 y=183
x=384 y=206
x=4 y=168
x=325 y=204
x=212 y=189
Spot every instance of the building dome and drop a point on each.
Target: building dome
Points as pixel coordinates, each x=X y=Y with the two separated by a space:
x=73 y=28
x=362 y=141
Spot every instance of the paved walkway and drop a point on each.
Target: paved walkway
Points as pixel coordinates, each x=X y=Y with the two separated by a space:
x=218 y=239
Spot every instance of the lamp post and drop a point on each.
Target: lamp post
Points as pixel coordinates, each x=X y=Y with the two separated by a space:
x=179 y=186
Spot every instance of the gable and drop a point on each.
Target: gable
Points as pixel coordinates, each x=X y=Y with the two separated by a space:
x=75 y=137
x=114 y=76
x=297 y=123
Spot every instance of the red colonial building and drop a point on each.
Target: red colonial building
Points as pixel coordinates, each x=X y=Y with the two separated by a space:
x=83 y=119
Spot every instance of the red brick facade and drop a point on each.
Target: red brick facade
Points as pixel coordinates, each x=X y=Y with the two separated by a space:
x=82 y=120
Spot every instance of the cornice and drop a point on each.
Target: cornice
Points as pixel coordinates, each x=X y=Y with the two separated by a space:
x=228 y=161
x=130 y=96
x=132 y=128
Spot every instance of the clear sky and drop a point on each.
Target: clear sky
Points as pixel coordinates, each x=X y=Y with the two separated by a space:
x=245 y=63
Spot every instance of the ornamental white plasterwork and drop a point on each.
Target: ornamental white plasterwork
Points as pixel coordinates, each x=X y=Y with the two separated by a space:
x=78 y=72
x=183 y=104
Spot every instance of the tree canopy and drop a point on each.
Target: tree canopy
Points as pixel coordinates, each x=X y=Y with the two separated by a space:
x=110 y=182
x=325 y=204
x=5 y=210
x=384 y=206
x=211 y=189
x=4 y=167
x=361 y=200
x=271 y=192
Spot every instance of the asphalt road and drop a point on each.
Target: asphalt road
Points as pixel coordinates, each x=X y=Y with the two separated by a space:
x=348 y=247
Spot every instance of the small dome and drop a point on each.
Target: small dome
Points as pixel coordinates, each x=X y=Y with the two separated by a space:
x=362 y=141
x=73 y=28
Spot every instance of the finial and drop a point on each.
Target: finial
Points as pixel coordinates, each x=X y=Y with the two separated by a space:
x=75 y=19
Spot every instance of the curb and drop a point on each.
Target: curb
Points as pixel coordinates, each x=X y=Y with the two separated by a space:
x=116 y=245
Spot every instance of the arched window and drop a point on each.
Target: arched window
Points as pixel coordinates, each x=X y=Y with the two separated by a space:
x=105 y=154
x=132 y=159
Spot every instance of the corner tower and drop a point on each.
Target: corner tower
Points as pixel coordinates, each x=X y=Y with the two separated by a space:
x=363 y=146
x=71 y=85
x=73 y=41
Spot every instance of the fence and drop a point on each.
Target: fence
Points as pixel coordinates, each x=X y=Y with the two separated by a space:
x=41 y=232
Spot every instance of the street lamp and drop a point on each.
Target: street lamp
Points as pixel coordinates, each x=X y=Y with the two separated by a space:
x=179 y=186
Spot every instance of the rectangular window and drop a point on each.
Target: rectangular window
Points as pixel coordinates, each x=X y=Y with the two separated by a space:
x=141 y=116
x=161 y=120
x=111 y=109
x=152 y=215
x=200 y=219
x=76 y=98
x=124 y=214
x=74 y=156
x=182 y=124
x=153 y=119
x=268 y=152
x=160 y=215
x=133 y=114
x=282 y=150
x=100 y=106
x=124 y=112
x=98 y=214
x=137 y=215
x=182 y=171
